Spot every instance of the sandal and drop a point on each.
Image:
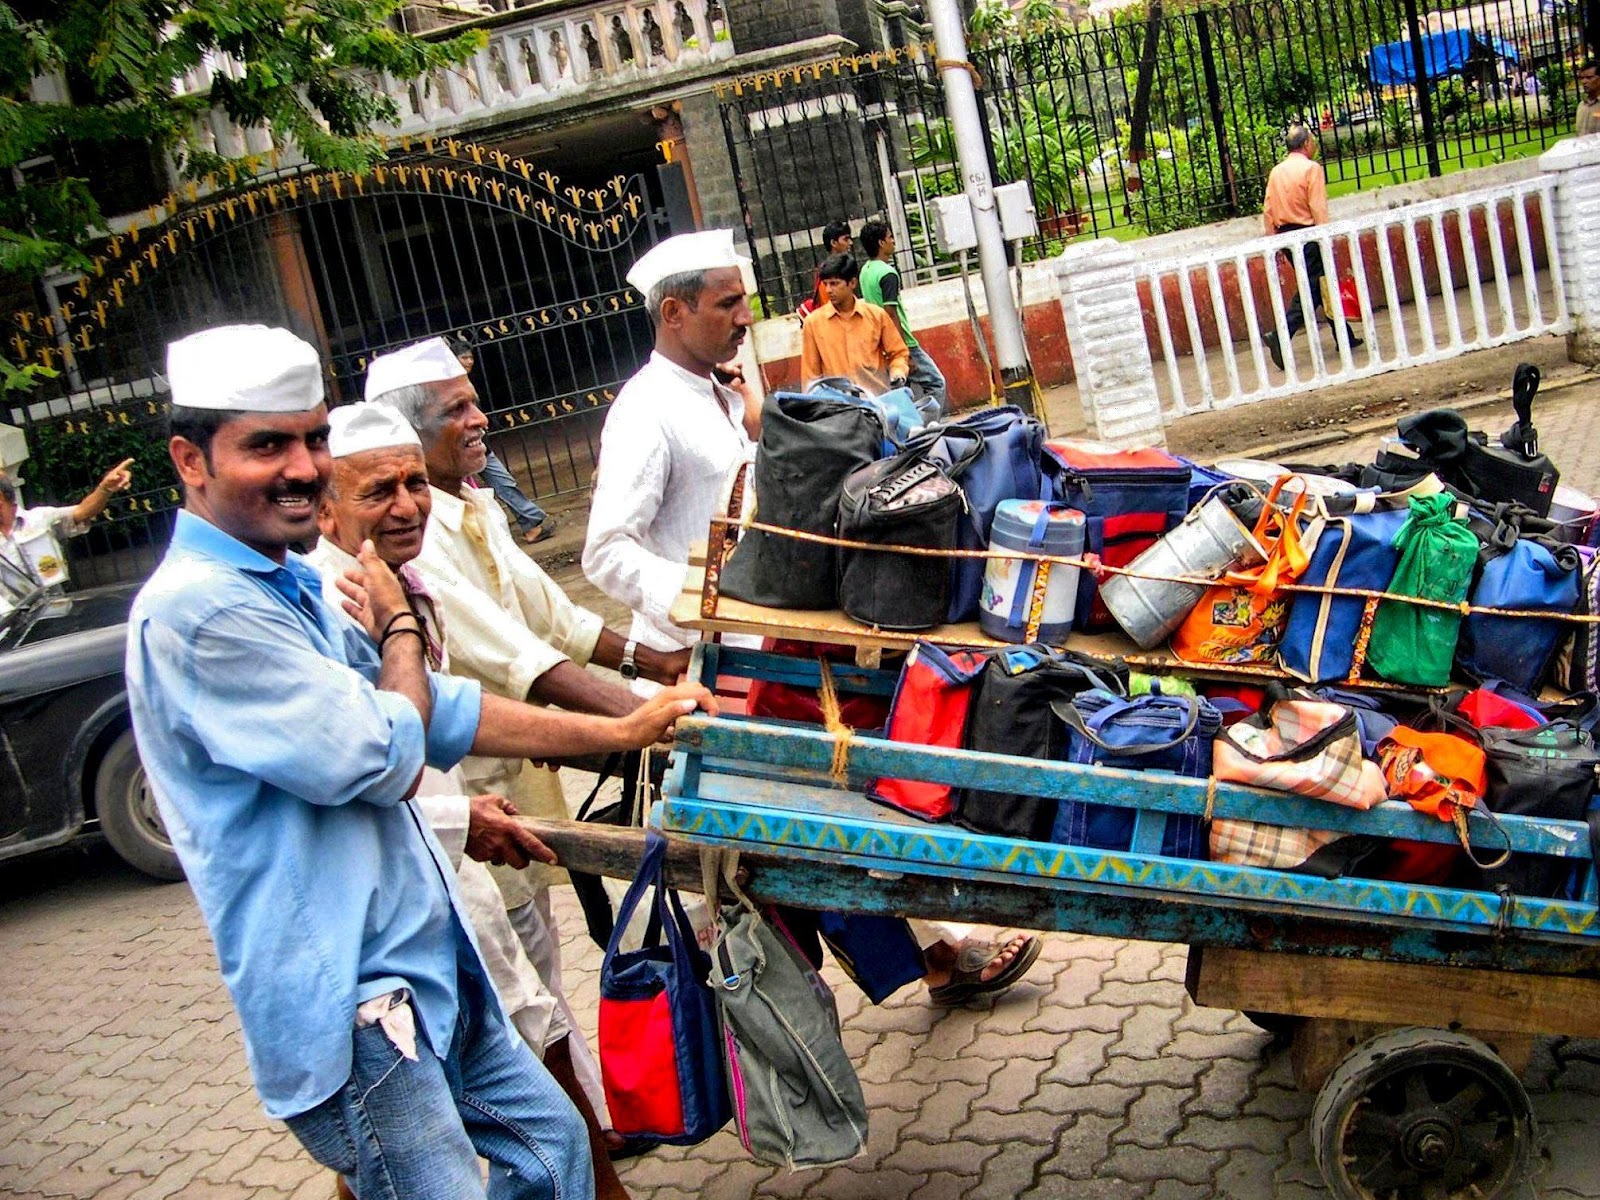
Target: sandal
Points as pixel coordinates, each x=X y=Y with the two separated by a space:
x=544 y=529
x=966 y=978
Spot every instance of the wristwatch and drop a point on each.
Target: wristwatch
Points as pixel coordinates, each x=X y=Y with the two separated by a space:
x=627 y=668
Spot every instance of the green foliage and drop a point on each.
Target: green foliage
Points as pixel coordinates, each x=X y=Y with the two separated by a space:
x=305 y=76
x=74 y=461
x=991 y=21
x=1034 y=142
x=1557 y=90
x=1187 y=189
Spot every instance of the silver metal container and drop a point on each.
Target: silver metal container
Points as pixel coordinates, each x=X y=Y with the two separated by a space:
x=1206 y=543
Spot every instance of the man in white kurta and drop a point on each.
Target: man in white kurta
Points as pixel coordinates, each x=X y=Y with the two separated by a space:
x=674 y=434
x=30 y=538
x=672 y=440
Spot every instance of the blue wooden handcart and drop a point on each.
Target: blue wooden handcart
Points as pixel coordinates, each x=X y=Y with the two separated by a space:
x=1412 y=1008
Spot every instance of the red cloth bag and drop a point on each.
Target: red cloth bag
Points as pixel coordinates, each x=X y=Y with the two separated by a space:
x=930 y=709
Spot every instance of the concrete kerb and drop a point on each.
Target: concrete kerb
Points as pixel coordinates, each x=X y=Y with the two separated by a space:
x=1272 y=451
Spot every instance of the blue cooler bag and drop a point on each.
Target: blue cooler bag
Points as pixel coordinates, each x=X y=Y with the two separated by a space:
x=1353 y=551
x=1531 y=576
x=1007 y=469
x=1129 y=498
x=1149 y=733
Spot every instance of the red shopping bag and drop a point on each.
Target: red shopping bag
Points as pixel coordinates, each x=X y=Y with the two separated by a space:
x=1350 y=299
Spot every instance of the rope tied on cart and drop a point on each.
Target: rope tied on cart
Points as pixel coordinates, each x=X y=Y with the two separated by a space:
x=833 y=722
x=1211 y=800
x=1095 y=566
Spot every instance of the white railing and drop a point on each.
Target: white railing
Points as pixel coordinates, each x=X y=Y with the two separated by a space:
x=1432 y=280
x=553 y=55
x=566 y=52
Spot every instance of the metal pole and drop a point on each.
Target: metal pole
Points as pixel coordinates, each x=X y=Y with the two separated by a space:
x=966 y=122
x=1423 y=86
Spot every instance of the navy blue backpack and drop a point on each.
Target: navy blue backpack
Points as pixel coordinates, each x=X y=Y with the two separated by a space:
x=1154 y=733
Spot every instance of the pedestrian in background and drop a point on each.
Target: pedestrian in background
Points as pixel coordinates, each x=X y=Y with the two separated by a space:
x=1297 y=198
x=30 y=547
x=880 y=285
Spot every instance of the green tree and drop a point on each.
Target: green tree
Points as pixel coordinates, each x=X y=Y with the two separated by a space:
x=308 y=71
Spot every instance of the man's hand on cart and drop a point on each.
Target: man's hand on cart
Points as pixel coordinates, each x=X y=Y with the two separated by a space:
x=655 y=719
x=494 y=835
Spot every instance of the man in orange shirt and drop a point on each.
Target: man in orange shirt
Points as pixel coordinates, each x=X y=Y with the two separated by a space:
x=849 y=337
x=1297 y=198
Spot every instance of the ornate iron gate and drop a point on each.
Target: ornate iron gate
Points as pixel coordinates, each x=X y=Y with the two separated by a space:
x=446 y=237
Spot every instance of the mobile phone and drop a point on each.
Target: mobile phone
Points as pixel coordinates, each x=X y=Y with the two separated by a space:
x=724 y=377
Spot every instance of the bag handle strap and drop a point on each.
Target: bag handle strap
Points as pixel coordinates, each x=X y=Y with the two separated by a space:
x=1068 y=712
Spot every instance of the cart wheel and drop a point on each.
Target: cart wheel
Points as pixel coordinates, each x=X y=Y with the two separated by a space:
x=1421 y=1114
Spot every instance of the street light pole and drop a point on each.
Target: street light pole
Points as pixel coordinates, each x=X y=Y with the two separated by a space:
x=966 y=122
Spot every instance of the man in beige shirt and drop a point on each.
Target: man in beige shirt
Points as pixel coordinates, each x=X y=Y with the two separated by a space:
x=850 y=338
x=1297 y=198
x=1589 y=107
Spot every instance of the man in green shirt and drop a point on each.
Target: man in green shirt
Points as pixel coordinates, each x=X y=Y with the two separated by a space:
x=880 y=285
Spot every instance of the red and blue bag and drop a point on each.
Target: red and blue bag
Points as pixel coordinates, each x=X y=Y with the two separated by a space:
x=1129 y=498
x=660 y=1052
x=929 y=709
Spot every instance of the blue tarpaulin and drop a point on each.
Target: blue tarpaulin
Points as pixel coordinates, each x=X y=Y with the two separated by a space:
x=1392 y=64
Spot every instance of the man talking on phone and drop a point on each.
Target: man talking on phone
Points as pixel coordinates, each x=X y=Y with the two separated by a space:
x=675 y=433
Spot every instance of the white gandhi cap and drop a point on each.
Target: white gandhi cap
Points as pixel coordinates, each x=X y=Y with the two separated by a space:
x=244 y=368
x=709 y=250
x=431 y=361
x=354 y=428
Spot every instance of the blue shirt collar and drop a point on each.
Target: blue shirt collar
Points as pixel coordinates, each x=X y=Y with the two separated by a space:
x=197 y=535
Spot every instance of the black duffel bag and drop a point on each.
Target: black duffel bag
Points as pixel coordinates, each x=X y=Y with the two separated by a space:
x=1550 y=771
x=1011 y=715
x=809 y=444
x=907 y=500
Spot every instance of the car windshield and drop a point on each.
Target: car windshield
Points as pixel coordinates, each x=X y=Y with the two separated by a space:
x=25 y=610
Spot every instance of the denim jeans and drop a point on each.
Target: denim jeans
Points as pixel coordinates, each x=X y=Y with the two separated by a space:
x=403 y=1130
x=926 y=375
x=528 y=514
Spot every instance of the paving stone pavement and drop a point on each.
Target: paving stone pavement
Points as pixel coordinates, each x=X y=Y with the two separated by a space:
x=122 y=1072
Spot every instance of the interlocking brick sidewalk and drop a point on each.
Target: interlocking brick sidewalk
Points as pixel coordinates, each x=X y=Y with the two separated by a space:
x=122 y=1072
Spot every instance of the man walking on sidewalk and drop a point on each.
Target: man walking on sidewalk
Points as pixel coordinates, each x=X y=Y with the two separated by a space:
x=1297 y=198
x=880 y=285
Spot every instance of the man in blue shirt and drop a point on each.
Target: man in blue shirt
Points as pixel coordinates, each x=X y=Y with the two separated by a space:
x=283 y=745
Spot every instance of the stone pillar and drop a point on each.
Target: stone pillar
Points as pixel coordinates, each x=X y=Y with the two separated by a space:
x=1576 y=165
x=1105 y=332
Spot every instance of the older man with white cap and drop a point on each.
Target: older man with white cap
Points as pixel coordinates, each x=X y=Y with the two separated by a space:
x=512 y=627
x=674 y=434
x=378 y=492
x=283 y=744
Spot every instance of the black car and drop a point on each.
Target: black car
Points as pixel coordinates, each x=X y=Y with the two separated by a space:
x=70 y=766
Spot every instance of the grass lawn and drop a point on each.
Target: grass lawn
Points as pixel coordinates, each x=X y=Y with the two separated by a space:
x=1409 y=163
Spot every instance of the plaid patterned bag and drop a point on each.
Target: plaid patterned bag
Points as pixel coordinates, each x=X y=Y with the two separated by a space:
x=1296 y=744
x=1305 y=746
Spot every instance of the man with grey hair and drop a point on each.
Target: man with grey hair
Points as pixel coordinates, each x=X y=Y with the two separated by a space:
x=30 y=549
x=674 y=434
x=1297 y=198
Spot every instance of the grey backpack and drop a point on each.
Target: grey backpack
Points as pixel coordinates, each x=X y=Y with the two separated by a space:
x=796 y=1099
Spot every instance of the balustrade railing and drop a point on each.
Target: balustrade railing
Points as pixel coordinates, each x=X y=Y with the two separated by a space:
x=525 y=61
x=1407 y=286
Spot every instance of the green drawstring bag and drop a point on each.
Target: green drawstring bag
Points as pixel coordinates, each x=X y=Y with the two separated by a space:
x=1411 y=643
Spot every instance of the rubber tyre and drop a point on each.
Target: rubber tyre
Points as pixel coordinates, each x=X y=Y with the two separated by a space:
x=127 y=811
x=1387 y=1107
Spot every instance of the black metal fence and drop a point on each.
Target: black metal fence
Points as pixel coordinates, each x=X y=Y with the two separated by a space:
x=425 y=245
x=1148 y=121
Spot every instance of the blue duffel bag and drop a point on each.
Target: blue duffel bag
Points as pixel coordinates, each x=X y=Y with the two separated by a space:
x=1531 y=576
x=1354 y=550
x=1142 y=733
x=1007 y=469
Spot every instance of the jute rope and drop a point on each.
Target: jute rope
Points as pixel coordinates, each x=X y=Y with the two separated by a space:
x=833 y=722
x=1088 y=564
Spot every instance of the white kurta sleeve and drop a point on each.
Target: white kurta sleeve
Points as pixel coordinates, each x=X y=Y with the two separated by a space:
x=635 y=469
x=448 y=815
